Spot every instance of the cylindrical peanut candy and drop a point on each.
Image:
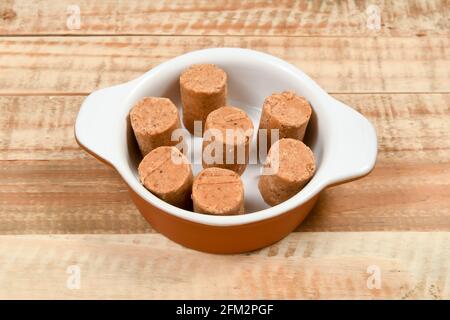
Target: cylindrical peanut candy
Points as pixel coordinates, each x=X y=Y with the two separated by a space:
x=226 y=140
x=288 y=168
x=153 y=120
x=286 y=112
x=167 y=173
x=203 y=88
x=218 y=191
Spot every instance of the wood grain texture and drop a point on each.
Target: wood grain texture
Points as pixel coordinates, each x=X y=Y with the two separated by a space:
x=305 y=266
x=79 y=196
x=49 y=185
x=79 y=65
x=397 y=76
x=293 y=18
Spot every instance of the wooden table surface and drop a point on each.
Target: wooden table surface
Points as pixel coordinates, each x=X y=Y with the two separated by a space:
x=59 y=207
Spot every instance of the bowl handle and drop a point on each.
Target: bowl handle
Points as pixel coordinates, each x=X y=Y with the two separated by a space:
x=354 y=146
x=98 y=122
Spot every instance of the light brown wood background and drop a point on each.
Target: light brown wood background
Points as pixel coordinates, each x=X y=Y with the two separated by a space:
x=60 y=207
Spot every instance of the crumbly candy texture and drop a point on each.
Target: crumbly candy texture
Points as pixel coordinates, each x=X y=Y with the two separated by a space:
x=167 y=173
x=286 y=112
x=234 y=121
x=290 y=164
x=204 y=79
x=203 y=88
x=218 y=191
x=153 y=120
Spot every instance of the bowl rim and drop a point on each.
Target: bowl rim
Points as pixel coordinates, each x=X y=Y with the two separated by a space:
x=312 y=189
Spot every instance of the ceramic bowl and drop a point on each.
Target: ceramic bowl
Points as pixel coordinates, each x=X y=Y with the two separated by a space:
x=343 y=141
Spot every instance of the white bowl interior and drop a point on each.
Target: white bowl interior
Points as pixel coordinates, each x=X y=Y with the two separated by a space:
x=250 y=80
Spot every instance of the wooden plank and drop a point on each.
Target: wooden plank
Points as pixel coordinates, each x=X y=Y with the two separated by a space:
x=39 y=128
x=79 y=65
x=410 y=265
x=411 y=128
x=48 y=185
x=57 y=197
x=293 y=18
